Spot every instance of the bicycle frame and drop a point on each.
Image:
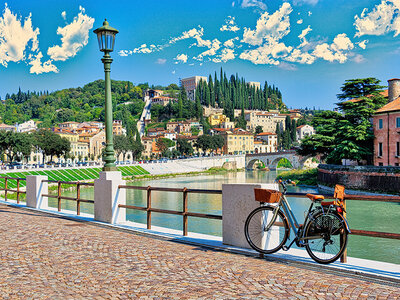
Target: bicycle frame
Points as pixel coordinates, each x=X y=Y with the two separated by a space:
x=293 y=223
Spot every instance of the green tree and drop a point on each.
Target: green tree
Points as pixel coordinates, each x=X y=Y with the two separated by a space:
x=184 y=147
x=258 y=129
x=51 y=143
x=355 y=88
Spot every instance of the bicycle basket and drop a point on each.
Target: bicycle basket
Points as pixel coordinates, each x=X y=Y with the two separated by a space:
x=267 y=196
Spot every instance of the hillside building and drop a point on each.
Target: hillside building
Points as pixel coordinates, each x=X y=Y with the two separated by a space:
x=304 y=130
x=190 y=84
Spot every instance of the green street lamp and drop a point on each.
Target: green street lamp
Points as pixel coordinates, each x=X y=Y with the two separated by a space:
x=106 y=37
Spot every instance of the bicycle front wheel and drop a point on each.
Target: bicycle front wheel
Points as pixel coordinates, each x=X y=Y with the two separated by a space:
x=325 y=237
x=264 y=232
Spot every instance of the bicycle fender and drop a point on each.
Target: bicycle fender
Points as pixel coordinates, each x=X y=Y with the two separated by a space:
x=345 y=223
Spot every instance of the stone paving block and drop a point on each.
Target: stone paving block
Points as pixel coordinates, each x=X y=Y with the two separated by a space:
x=48 y=257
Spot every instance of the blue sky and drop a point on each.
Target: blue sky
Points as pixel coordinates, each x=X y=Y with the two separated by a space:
x=307 y=48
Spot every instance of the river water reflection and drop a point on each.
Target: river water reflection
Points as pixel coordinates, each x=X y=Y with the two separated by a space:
x=372 y=216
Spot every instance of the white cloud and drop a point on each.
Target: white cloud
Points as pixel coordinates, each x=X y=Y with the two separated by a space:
x=267 y=54
x=335 y=51
x=302 y=36
x=230 y=43
x=342 y=42
x=64 y=15
x=254 y=3
x=195 y=34
x=301 y=2
x=144 y=49
x=299 y=21
x=300 y=57
x=363 y=44
x=213 y=48
x=16 y=37
x=227 y=54
x=38 y=68
x=230 y=25
x=161 y=61
x=383 y=18
x=181 y=58
x=358 y=58
x=269 y=27
x=287 y=66
x=74 y=37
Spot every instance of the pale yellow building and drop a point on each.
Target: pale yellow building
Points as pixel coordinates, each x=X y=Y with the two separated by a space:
x=237 y=141
x=96 y=144
x=217 y=119
x=270 y=140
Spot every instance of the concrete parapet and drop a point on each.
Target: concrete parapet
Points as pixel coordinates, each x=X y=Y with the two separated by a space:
x=237 y=203
x=107 y=197
x=35 y=188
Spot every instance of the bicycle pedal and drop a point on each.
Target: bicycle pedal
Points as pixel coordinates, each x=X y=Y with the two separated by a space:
x=285 y=248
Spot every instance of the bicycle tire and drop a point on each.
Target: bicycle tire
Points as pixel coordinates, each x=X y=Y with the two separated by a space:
x=270 y=241
x=332 y=239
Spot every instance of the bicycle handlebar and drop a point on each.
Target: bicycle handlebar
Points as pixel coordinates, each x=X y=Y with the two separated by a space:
x=283 y=183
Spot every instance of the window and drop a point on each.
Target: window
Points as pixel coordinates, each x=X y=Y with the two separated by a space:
x=397 y=122
x=380 y=164
x=380 y=149
x=398 y=149
x=380 y=123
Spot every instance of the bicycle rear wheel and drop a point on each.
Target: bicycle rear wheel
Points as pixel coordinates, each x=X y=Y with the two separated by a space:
x=265 y=234
x=325 y=237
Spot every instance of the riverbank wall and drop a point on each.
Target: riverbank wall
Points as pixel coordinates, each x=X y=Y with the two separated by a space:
x=368 y=178
x=194 y=164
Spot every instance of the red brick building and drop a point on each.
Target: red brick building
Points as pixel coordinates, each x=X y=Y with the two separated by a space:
x=386 y=122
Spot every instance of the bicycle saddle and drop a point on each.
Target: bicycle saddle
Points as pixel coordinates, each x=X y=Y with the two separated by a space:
x=315 y=198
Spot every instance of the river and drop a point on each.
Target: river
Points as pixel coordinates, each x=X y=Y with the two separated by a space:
x=374 y=216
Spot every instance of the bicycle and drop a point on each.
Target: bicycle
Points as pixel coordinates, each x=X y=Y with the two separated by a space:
x=324 y=233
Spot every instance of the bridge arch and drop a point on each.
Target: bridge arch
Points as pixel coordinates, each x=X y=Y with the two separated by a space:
x=271 y=159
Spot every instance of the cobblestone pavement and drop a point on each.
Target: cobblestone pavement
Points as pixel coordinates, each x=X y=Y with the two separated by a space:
x=47 y=257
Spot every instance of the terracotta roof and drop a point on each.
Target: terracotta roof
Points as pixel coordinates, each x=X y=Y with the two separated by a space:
x=393 y=79
x=301 y=126
x=391 y=106
x=266 y=133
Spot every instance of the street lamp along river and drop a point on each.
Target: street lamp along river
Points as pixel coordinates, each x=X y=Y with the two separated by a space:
x=106 y=37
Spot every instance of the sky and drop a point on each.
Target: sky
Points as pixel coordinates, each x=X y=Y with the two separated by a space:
x=307 y=48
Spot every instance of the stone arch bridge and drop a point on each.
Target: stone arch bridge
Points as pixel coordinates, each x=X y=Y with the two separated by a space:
x=271 y=159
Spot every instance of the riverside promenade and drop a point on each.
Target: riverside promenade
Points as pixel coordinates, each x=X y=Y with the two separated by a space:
x=45 y=256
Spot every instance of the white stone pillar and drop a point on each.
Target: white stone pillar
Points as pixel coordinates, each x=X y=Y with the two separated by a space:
x=237 y=202
x=35 y=188
x=107 y=197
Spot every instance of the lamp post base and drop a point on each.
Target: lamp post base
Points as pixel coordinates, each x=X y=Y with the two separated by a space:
x=113 y=168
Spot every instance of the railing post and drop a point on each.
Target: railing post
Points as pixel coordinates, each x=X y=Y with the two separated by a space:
x=78 y=198
x=185 y=217
x=343 y=258
x=18 y=190
x=108 y=196
x=35 y=188
x=5 y=188
x=59 y=196
x=149 y=207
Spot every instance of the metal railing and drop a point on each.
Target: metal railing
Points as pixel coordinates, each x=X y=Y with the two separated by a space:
x=78 y=198
x=378 y=234
x=7 y=190
x=185 y=213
